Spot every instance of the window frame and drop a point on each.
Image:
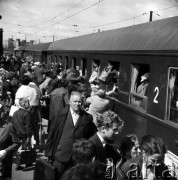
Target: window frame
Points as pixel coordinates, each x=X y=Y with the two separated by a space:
x=134 y=85
x=169 y=102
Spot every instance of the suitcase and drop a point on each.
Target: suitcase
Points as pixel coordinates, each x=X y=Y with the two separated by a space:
x=44 y=170
x=25 y=157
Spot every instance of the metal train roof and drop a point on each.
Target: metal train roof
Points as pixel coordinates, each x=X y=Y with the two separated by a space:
x=37 y=47
x=155 y=35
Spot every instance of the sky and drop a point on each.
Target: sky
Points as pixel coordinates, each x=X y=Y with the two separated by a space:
x=48 y=20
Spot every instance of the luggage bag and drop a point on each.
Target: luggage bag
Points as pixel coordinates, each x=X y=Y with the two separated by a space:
x=25 y=157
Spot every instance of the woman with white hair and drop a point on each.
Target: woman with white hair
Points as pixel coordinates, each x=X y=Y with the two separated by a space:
x=98 y=104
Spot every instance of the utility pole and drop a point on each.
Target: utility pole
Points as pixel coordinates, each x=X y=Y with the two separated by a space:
x=1 y=39
x=151 y=16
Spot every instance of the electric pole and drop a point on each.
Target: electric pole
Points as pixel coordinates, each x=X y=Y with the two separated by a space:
x=151 y=16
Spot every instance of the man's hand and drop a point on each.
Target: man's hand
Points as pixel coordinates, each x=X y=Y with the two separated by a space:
x=2 y=154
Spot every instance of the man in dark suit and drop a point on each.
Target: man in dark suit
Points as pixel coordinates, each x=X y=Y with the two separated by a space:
x=109 y=124
x=72 y=123
x=9 y=143
x=7 y=85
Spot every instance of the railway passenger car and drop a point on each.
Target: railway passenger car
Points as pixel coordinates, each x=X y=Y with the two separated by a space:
x=149 y=48
x=20 y=51
x=37 y=51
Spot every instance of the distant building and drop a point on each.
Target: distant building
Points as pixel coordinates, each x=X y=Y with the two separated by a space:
x=23 y=43
x=1 y=40
x=10 y=44
x=17 y=43
x=31 y=41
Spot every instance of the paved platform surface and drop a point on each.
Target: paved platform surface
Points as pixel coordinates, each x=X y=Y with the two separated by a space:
x=24 y=173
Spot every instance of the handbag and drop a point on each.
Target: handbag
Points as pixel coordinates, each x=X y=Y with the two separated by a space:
x=25 y=157
x=13 y=109
x=105 y=73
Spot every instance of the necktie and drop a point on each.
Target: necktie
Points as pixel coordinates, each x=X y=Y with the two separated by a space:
x=75 y=118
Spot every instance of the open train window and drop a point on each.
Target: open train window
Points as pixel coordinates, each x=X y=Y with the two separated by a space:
x=95 y=63
x=66 y=62
x=139 y=85
x=113 y=78
x=60 y=58
x=83 y=67
x=95 y=71
x=172 y=111
x=55 y=58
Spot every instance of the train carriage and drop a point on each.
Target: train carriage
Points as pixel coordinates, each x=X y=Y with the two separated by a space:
x=150 y=48
x=37 y=51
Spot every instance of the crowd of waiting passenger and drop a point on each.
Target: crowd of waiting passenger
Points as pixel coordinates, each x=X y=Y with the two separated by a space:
x=82 y=124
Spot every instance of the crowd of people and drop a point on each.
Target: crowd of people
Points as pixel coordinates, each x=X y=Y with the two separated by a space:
x=81 y=124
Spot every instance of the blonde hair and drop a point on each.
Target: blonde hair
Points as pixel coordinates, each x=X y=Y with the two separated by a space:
x=101 y=93
x=22 y=101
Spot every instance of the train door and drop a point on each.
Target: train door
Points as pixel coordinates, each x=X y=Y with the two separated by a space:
x=139 y=85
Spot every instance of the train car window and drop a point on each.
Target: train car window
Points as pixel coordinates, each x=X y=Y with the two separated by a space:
x=95 y=63
x=60 y=58
x=66 y=63
x=83 y=67
x=139 y=85
x=74 y=61
x=172 y=112
x=55 y=59
x=113 y=78
x=95 y=71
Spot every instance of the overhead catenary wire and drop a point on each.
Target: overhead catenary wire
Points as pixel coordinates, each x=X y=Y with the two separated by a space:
x=73 y=15
x=58 y=14
x=106 y=24
x=26 y=10
x=101 y=24
x=110 y=22
x=166 y=8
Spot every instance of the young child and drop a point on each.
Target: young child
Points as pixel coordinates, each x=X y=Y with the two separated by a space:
x=23 y=123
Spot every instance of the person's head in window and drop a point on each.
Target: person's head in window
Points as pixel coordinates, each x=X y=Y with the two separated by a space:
x=96 y=68
x=109 y=124
x=144 y=77
x=142 y=88
x=130 y=147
